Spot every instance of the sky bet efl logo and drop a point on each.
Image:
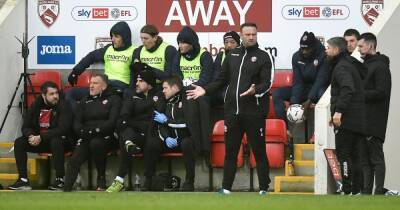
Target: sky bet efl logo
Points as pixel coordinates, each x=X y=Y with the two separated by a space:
x=56 y=49
x=315 y=12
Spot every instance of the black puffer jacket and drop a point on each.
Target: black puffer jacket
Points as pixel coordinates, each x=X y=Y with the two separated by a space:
x=60 y=121
x=378 y=84
x=347 y=92
x=242 y=68
x=97 y=115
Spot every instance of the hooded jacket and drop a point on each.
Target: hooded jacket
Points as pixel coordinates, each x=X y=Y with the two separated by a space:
x=170 y=54
x=187 y=35
x=310 y=75
x=347 y=92
x=97 y=56
x=378 y=84
x=242 y=67
x=60 y=120
x=97 y=115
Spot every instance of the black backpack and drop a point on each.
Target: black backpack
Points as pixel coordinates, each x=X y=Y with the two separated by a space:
x=165 y=182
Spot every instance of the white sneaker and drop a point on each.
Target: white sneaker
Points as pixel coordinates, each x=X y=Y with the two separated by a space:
x=263 y=192
x=224 y=191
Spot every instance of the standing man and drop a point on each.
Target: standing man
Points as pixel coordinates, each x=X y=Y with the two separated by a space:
x=193 y=64
x=135 y=117
x=45 y=127
x=155 y=54
x=378 y=84
x=248 y=71
x=351 y=36
x=117 y=59
x=94 y=124
x=347 y=108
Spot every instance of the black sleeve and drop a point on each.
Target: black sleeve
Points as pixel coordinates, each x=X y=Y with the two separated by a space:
x=135 y=58
x=297 y=88
x=170 y=54
x=221 y=80
x=93 y=57
x=162 y=130
x=63 y=123
x=108 y=126
x=345 y=80
x=264 y=82
x=321 y=81
x=382 y=81
x=78 y=118
x=176 y=70
x=27 y=127
x=207 y=69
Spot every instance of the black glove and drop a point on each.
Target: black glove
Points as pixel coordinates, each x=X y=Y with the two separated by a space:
x=138 y=66
x=73 y=78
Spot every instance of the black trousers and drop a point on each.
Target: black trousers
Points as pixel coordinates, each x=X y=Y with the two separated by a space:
x=56 y=146
x=97 y=147
x=128 y=134
x=373 y=164
x=254 y=127
x=347 y=151
x=155 y=146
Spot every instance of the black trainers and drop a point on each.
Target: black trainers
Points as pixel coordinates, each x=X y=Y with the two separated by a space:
x=132 y=148
x=58 y=184
x=20 y=185
x=101 y=183
x=188 y=186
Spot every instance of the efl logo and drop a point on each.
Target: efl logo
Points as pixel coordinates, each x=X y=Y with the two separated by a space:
x=317 y=12
x=100 y=13
x=209 y=15
x=56 y=49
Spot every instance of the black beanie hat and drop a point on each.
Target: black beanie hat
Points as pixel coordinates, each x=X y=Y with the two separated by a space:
x=233 y=35
x=122 y=28
x=187 y=35
x=148 y=76
x=307 y=40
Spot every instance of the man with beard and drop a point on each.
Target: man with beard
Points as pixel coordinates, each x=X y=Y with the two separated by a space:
x=378 y=84
x=44 y=129
x=347 y=108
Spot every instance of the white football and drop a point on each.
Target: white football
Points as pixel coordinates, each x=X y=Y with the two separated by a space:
x=295 y=113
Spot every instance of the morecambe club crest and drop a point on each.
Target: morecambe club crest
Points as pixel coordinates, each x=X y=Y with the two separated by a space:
x=48 y=11
x=370 y=10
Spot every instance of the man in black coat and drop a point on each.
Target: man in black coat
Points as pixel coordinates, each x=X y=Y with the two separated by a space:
x=347 y=108
x=377 y=85
x=248 y=71
x=178 y=125
x=45 y=129
x=134 y=121
x=94 y=125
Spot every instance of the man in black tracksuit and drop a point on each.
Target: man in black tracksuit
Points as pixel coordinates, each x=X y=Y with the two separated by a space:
x=117 y=59
x=135 y=117
x=94 y=125
x=310 y=76
x=347 y=108
x=247 y=70
x=45 y=129
x=377 y=85
x=193 y=64
x=178 y=125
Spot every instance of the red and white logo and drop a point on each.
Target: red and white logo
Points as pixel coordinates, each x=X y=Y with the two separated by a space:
x=209 y=15
x=48 y=11
x=102 y=42
x=370 y=10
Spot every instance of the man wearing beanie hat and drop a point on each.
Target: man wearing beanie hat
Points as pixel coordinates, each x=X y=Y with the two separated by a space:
x=117 y=59
x=155 y=52
x=193 y=64
x=231 y=40
x=135 y=117
x=310 y=77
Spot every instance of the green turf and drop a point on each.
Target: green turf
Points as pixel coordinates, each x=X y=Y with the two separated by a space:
x=176 y=201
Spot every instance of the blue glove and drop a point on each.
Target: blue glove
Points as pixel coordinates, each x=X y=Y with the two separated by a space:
x=171 y=142
x=160 y=117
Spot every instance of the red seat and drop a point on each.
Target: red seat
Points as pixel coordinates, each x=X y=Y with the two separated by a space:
x=38 y=78
x=282 y=78
x=218 y=147
x=275 y=154
x=275 y=130
x=83 y=81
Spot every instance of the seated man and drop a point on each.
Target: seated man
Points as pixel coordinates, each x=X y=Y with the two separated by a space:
x=310 y=76
x=45 y=127
x=135 y=117
x=94 y=125
x=176 y=127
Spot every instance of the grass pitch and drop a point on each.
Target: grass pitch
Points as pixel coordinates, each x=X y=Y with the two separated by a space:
x=175 y=201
